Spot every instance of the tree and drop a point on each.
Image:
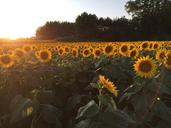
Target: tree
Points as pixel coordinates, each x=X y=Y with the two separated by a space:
x=87 y=26
x=141 y=8
x=105 y=21
x=153 y=17
x=54 y=30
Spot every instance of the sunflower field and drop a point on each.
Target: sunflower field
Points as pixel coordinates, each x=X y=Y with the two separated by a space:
x=85 y=85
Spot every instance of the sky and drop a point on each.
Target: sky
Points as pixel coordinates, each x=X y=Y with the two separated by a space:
x=21 y=18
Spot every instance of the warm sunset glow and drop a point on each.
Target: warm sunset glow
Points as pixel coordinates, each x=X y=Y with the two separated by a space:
x=21 y=18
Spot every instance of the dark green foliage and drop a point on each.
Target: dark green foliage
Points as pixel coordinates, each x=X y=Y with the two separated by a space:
x=150 y=21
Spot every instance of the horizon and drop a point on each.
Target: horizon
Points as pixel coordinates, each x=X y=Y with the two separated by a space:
x=24 y=17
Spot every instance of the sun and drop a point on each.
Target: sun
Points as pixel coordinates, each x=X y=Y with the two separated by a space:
x=21 y=18
x=16 y=29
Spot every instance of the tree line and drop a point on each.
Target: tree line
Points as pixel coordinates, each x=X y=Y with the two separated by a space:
x=151 y=20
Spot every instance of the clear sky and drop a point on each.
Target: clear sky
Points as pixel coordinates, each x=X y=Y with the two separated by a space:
x=21 y=18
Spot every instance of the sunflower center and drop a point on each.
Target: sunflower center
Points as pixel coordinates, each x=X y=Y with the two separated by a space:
x=108 y=49
x=44 y=55
x=144 y=45
x=124 y=48
x=151 y=45
x=91 y=49
x=6 y=59
x=133 y=53
x=145 y=66
x=60 y=51
x=155 y=46
x=97 y=52
x=67 y=49
x=74 y=53
x=86 y=52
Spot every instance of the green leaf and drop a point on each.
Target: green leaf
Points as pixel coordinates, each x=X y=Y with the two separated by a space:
x=166 y=89
x=73 y=101
x=163 y=124
x=126 y=96
x=141 y=102
x=162 y=111
x=83 y=124
x=50 y=113
x=45 y=96
x=115 y=119
x=58 y=124
x=89 y=110
x=21 y=108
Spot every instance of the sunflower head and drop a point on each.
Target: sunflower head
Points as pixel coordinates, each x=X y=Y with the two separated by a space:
x=108 y=50
x=144 y=45
x=27 y=48
x=123 y=49
x=44 y=56
x=1 y=51
x=167 y=60
x=67 y=49
x=131 y=46
x=155 y=46
x=97 y=52
x=134 y=53
x=6 y=61
x=160 y=55
x=108 y=85
x=61 y=51
x=19 y=53
x=145 y=67
x=74 y=52
x=86 y=52
x=10 y=52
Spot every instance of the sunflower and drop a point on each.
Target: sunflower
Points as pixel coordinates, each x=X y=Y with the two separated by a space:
x=91 y=49
x=134 y=53
x=10 y=52
x=97 y=52
x=1 y=51
x=75 y=52
x=155 y=46
x=108 y=50
x=131 y=46
x=108 y=85
x=167 y=60
x=27 y=48
x=160 y=55
x=144 y=45
x=6 y=61
x=67 y=50
x=44 y=56
x=150 y=46
x=145 y=67
x=123 y=49
x=86 y=52
x=19 y=53
x=56 y=48
x=61 y=51
x=27 y=111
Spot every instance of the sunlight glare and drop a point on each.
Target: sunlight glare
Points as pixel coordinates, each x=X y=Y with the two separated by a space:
x=21 y=18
